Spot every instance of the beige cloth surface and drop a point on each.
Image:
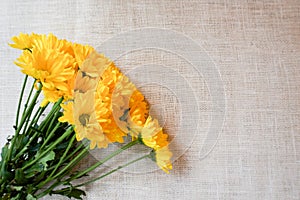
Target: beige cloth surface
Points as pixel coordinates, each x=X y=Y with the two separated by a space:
x=255 y=47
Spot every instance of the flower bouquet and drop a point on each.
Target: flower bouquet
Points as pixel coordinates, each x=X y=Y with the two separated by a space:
x=86 y=103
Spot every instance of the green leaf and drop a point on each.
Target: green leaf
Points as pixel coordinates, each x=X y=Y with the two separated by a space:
x=16 y=197
x=4 y=152
x=50 y=156
x=40 y=165
x=62 y=145
x=35 y=148
x=33 y=170
x=30 y=197
x=70 y=192
x=17 y=188
x=20 y=176
x=3 y=161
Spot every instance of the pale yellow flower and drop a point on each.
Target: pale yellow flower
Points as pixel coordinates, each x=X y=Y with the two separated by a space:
x=152 y=134
x=84 y=83
x=86 y=124
x=121 y=94
x=162 y=157
x=95 y=65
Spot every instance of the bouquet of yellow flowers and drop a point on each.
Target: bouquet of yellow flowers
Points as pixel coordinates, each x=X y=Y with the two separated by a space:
x=92 y=105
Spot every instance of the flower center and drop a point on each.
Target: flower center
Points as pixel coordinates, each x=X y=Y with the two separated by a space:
x=84 y=118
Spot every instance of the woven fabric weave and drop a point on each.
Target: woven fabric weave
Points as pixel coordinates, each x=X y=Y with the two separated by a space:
x=254 y=45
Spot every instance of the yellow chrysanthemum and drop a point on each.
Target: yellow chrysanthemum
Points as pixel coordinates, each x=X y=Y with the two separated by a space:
x=139 y=108
x=162 y=157
x=50 y=41
x=86 y=124
x=104 y=108
x=94 y=65
x=67 y=113
x=84 y=83
x=120 y=105
x=53 y=69
x=24 y=41
x=152 y=135
x=81 y=52
x=115 y=96
x=68 y=95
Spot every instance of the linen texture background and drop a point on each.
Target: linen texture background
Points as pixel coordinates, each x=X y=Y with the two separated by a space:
x=254 y=45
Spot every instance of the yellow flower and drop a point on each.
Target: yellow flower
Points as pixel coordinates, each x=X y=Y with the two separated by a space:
x=51 y=95
x=95 y=65
x=67 y=113
x=84 y=83
x=81 y=52
x=129 y=104
x=118 y=106
x=53 y=69
x=24 y=41
x=114 y=96
x=121 y=94
x=162 y=157
x=50 y=41
x=152 y=134
x=105 y=115
x=86 y=124
x=139 y=108
x=68 y=95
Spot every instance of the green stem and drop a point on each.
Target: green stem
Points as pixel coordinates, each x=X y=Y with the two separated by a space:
x=62 y=172
x=28 y=131
x=64 y=155
x=49 y=117
x=27 y=114
x=73 y=162
x=25 y=147
x=20 y=100
x=50 y=177
x=59 y=182
x=35 y=118
x=112 y=171
x=130 y=144
x=53 y=120
x=29 y=96
x=79 y=147
x=49 y=136
x=52 y=146
x=35 y=115
x=27 y=121
x=29 y=110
